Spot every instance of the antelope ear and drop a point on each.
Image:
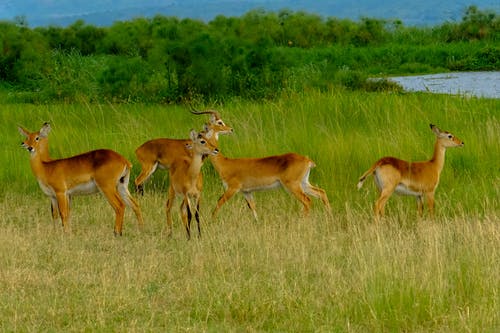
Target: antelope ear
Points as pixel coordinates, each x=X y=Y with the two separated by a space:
x=45 y=130
x=435 y=129
x=193 y=135
x=209 y=134
x=213 y=118
x=23 y=131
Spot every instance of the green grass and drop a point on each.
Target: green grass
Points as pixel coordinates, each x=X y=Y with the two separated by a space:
x=284 y=272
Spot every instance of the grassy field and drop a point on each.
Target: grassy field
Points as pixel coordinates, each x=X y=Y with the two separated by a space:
x=284 y=272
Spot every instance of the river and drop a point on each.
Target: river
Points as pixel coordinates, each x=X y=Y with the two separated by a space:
x=480 y=84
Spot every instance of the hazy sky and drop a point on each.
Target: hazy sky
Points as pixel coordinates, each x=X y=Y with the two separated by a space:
x=105 y=12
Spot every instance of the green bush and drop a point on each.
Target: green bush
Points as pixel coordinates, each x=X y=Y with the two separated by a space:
x=257 y=55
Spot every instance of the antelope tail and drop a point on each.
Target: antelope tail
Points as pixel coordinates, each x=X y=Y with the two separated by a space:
x=367 y=173
x=123 y=187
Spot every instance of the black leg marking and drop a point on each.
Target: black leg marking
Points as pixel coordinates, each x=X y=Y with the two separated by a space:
x=188 y=227
x=197 y=216
x=140 y=189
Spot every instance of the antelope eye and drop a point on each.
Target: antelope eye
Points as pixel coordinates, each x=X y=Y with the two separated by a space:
x=202 y=142
x=450 y=136
x=37 y=138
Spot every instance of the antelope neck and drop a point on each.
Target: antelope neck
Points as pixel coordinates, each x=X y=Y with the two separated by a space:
x=439 y=155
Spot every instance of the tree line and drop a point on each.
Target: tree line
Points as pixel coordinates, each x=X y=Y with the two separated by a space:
x=257 y=55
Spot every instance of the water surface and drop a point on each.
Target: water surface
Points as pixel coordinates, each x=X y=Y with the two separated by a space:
x=480 y=84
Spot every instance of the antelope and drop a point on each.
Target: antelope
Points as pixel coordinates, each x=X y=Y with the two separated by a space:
x=163 y=152
x=418 y=179
x=101 y=170
x=248 y=175
x=184 y=175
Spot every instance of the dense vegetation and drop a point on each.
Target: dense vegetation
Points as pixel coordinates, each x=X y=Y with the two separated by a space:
x=260 y=54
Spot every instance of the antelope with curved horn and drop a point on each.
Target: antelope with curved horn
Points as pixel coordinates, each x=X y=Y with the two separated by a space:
x=184 y=175
x=161 y=153
x=419 y=179
x=101 y=170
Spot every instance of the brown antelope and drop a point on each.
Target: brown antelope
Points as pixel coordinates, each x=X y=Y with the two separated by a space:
x=417 y=179
x=248 y=175
x=184 y=175
x=162 y=152
x=98 y=170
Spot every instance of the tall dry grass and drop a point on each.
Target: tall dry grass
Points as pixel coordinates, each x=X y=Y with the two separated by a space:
x=283 y=273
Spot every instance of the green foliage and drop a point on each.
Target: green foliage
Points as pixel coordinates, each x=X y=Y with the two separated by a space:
x=127 y=79
x=77 y=37
x=258 y=55
x=23 y=55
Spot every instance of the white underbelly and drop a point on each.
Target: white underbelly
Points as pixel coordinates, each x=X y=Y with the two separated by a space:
x=261 y=187
x=402 y=189
x=89 y=187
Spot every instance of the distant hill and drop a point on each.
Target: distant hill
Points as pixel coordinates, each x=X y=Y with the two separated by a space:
x=105 y=12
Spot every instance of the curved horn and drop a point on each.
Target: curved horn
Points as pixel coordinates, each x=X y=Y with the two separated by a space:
x=198 y=112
